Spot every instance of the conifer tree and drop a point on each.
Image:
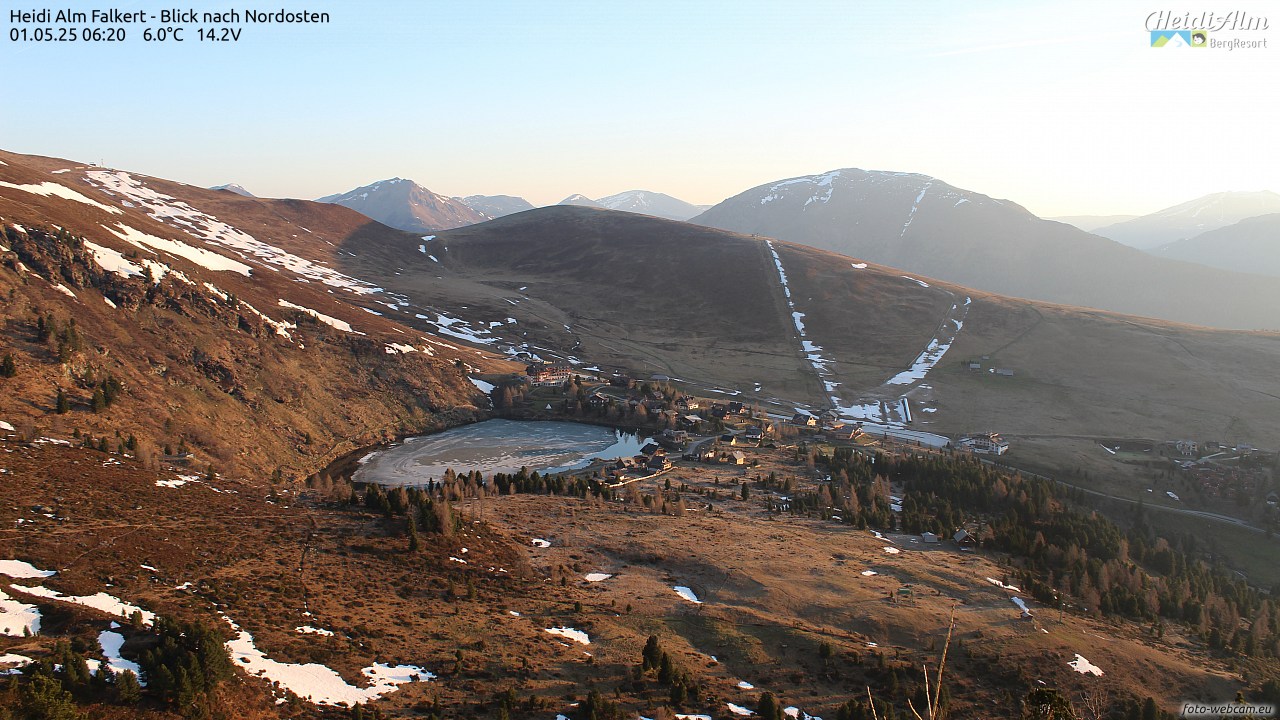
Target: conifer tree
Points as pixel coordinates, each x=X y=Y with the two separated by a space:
x=767 y=708
x=128 y=690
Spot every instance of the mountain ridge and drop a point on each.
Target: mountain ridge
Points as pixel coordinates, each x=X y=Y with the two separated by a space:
x=405 y=205
x=495 y=206
x=241 y=343
x=1193 y=217
x=647 y=202
x=922 y=224
x=860 y=327
x=1251 y=245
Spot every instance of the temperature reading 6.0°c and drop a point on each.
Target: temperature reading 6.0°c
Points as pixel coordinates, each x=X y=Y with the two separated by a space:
x=162 y=34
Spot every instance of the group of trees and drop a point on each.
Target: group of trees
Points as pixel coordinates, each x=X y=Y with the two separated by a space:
x=186 y=663
x=183 y=665
x=64 y=337
x=104 y=396
x=658 y=664
x=423 y=510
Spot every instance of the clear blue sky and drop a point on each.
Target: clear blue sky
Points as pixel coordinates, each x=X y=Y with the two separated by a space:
x=1062 y=107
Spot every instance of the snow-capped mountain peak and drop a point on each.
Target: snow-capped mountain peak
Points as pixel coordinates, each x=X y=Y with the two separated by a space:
x=233 y=187
x=648 y=202
x=580 y=200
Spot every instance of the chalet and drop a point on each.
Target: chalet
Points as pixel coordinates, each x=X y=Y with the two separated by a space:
x=654 y=406
x=691 y=422
x=651 y=449
x=658 y=463
x=737 y=408
x=804 y=420
x=621 y=381
x=547 y=374
x=985 y=443
x=753 y=433
x=1187 y=448
x=598 y=401
x=689 y=403
x=847 y=432
x=929 y=538
x=717 y=410
x=676 y=436
x=737 y=458
x=964 y=539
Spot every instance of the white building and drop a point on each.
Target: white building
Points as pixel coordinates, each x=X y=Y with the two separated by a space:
x=984 y=443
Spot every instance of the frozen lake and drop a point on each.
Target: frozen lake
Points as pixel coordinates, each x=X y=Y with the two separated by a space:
x=497 y=446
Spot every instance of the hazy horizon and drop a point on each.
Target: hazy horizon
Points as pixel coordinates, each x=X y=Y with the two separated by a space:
x=1064 y=110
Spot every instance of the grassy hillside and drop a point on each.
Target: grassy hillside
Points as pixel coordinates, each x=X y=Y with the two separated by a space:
x=240 y=353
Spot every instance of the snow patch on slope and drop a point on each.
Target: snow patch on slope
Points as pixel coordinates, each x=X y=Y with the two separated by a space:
x=53 y=189
x=204 y=258
x=327 y=320
x=180 y=215
x=319 y=683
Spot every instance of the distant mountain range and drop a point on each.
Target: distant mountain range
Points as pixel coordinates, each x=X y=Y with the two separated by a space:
x=406 y=205
x=921 y=224
x=495 y=206
x=237 y=189
x=644 y=202
x=647 y=202
x=1251 y=245
x=1189 y=219
x=1090 y=223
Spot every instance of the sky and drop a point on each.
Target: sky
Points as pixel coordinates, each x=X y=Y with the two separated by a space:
x=1062 y=107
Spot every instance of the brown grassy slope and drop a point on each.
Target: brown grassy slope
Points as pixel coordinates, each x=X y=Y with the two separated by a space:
x=193 y=366
x=1077 y=371
x=1097 y=374
x=871 y=320
x=705 y=305
x=266 y=561
x=651 y=295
